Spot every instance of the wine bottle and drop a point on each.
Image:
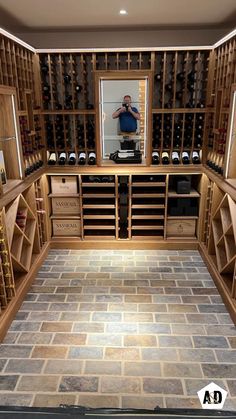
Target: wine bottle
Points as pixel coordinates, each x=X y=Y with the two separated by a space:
x=190 y=87
x=78 y=88
x=44 y=69
x=155 y=144
x=157 y=77
x=46 y=88
x=169 y=87
x=89 y=106
x=67 y=78
x=189 y=117
x=195 y=158
x=155 y=157
x=82 y=158
x=52 y=159
x=72 y=159
x=168 y=105
x=185 y=158
x=92 y=158
x=190 y=104
x=191 y=76
x=180 y=76
x=62 y=158
x=175 y=157
x=179 y=95
x=200 y=105
x=58 y=106
x=165 y=158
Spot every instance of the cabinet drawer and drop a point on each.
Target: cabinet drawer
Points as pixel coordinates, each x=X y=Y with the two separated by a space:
x=64 y=184
x=181 y=227
x=66 y=227
x=64 y=206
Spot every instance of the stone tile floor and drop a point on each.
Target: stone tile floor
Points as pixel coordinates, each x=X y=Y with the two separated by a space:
x=119 y=329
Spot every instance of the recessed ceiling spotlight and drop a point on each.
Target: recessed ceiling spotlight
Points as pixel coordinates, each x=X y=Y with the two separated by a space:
x=123 y=12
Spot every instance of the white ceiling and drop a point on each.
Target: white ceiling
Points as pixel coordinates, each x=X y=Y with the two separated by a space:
x=23 y=15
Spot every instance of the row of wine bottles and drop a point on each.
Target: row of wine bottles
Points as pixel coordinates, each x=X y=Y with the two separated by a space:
x=33 y=163
x=72 y=159
x=176 y=158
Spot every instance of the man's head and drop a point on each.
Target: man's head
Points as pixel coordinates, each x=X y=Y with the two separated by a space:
x=127 y=99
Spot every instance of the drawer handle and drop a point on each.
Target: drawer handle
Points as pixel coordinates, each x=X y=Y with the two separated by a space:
x=180 y=228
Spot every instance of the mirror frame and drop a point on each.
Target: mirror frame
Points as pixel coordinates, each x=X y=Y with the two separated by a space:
x=124 y=75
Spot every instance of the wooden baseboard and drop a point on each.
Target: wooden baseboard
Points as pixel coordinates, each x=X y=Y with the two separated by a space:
x=124 y=244
x=226 y=297
x=7 y=315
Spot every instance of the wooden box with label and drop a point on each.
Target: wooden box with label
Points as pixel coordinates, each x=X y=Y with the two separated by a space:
x=64 y=185
x=181 y=228
x=65 y=206
x=66 y=227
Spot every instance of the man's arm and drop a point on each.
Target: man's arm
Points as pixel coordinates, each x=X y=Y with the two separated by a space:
x=135 y=113
x=117 y=113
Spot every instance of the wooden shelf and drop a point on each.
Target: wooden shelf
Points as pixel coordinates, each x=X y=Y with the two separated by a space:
x=193 y=194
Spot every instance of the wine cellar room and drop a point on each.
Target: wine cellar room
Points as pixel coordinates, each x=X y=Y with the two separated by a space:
x=117 y=204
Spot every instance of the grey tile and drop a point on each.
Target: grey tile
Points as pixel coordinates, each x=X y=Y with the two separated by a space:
x=226 y=355
x=171 y=369
x=212 y=308
x=85 y=353
x=104 y=339
x=185 y=329
x=121 y=328
x=31 y=366
x=159 y=354
x=154 y=328
x=197 y=355
x=162 y=386
x=219 y=371
x=202 y=318
x=220 y=330
x=120 y=385
x=107 y=317
x=210 y=342
x=175 y=341
x=81 y=384
x=232 y=387
x=103 y=367
x=8 y=382
x=25 y=326
x=15 y=351
x=16 y=399
x=142 y=369
x=194 y=385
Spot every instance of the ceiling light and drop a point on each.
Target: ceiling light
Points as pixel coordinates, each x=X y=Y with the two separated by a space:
x=123 y=12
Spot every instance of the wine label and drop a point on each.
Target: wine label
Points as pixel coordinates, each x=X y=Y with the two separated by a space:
x=82 y=156
x=195 y=154
x=72 y=155
x=155 y=153
x=175 y=155
x=52 y=156
x=165 y=154
x=62 y=156
x=92 y=155
x=185 y=154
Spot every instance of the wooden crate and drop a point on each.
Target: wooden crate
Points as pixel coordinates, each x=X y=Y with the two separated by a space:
x=64 y=184
x=64 y=206
x=66 y=227
x=181 y=228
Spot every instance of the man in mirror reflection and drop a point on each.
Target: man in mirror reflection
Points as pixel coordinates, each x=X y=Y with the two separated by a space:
x=128 y=116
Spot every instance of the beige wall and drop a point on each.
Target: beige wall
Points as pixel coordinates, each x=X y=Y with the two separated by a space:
x=123 y=39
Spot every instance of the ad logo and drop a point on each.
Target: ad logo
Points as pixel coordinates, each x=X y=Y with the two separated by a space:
x=212 y=396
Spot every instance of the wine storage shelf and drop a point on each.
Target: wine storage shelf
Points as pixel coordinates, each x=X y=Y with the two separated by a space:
x=222 y=242
x=132 y=207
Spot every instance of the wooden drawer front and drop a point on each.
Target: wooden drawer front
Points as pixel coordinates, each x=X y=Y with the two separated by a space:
x=64 y=184
x=65 y=206
x=66 y=227
x=180 y=228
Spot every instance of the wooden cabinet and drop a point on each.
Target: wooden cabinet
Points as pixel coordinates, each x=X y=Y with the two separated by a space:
x=181 y=228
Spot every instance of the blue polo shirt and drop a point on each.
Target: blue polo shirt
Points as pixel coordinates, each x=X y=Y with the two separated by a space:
x=127 y=121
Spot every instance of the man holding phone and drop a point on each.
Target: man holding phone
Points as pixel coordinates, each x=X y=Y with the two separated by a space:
x=128 y=116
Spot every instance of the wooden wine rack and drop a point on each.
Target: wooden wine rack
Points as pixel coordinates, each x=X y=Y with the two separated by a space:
x=17 y=69
x=7 y=285
x=223 y=75
x=222 y=243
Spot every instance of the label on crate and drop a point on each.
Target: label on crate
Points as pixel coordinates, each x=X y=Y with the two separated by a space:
x=66 y=206
x=66 y=227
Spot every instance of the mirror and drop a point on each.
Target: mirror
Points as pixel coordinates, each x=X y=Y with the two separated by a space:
x=123 y=113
